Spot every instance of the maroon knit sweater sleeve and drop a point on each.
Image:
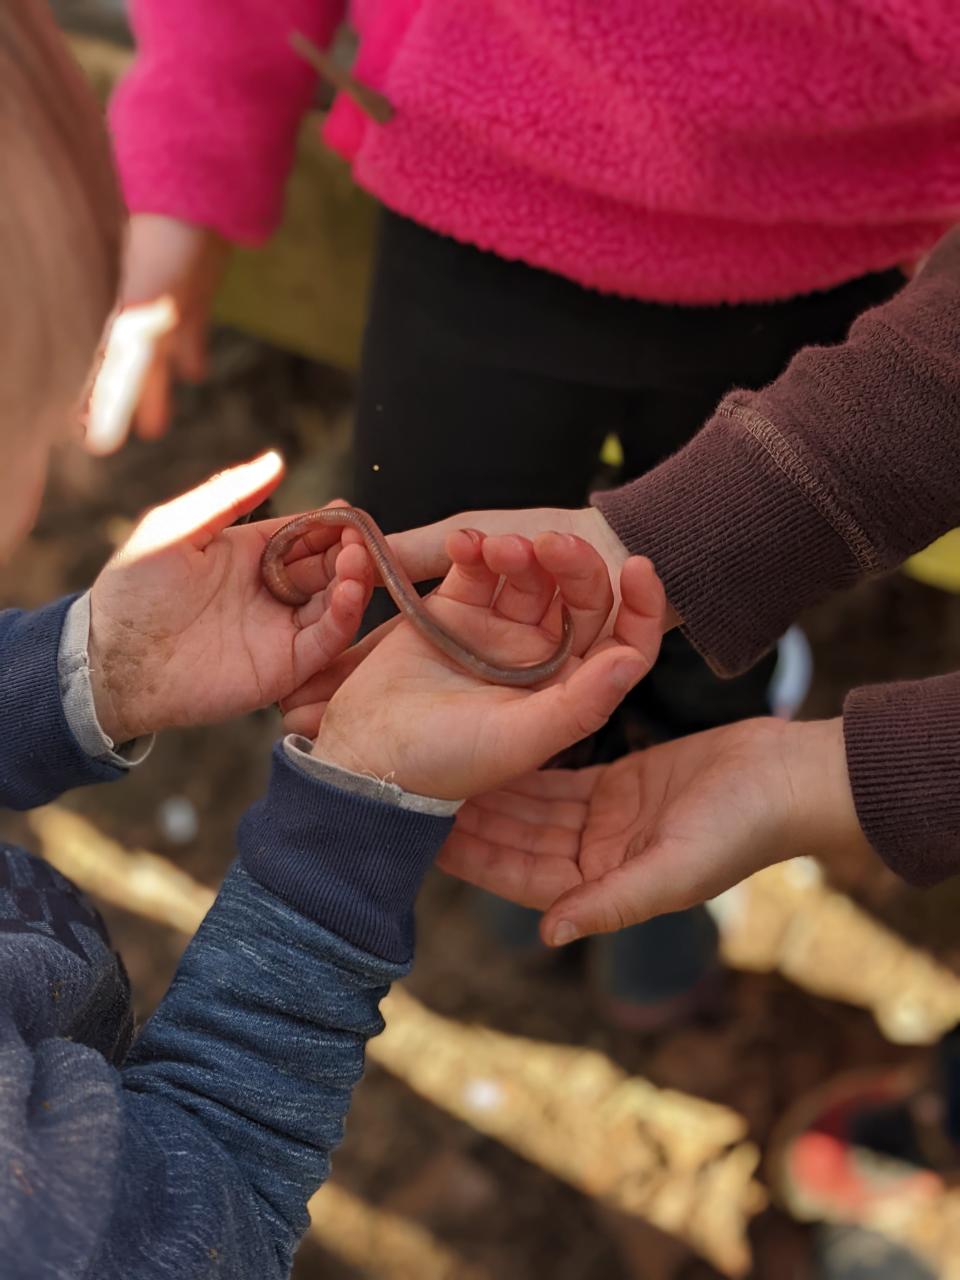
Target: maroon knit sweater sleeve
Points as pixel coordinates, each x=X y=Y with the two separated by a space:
x=903 y=756
x=843 y=467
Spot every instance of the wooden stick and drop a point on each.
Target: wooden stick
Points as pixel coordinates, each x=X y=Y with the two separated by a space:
x=374 y=104
x=787 y=918
x=380 y=1243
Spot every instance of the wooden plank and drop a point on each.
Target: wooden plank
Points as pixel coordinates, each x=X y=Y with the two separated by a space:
x=306 y=291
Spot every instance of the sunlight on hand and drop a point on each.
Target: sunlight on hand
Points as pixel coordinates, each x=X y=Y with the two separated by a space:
x=118 y=384
x=198 y=516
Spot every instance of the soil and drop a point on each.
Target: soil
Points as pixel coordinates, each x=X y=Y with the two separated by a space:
x=767 y=1042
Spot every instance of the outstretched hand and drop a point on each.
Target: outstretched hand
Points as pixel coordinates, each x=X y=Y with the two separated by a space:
x=425 y=555
x=411 y=715
x=171 y=272
x=183 y=631
x=659 y=830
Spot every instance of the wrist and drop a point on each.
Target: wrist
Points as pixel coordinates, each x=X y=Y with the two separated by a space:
x=823 y=816
x=104 y=704
x=370 y=756
x=594 y=528
x=106 y=697
x=330 y=747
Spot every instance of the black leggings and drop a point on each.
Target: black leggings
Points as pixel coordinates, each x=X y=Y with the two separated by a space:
x=487 y=383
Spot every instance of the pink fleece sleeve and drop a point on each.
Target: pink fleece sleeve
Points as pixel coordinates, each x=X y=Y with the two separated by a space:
x=206 y=122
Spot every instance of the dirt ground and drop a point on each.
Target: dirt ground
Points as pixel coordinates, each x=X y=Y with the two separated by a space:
x=489 y=1206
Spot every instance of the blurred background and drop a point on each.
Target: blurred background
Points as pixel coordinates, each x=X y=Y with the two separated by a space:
x=506 y=1128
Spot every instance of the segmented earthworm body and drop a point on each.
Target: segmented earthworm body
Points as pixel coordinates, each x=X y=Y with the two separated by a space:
x=276 y=578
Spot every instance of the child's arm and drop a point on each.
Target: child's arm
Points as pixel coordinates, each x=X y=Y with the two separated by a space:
x=204 y=129
x=206 y=123
x=177 y=630
x=41 y=752
x=838 y=470
x=843 y=467
x=198 y=1155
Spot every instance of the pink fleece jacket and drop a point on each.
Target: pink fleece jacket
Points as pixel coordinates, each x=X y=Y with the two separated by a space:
x=689 y=151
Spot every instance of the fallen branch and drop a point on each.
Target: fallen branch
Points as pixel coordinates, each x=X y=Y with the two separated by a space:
x=675 y=1161
x=380 y=1243
x=140 y=882
x=788 y=919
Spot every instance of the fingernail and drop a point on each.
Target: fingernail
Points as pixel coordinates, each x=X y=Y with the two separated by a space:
x=564 y=932
x=268 y=461
x=624 y=676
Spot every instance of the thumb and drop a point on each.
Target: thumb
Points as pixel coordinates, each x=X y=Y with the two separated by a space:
x=423 y=551
x=643 y=605
x=548 y=721
x=190 y=356
x=321 y=687
x=119 y=382
x=199 y=516
x=645 y=886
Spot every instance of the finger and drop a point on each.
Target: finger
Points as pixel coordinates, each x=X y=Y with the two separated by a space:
x=546 y=839
x=423 y=552
x=321 y=537
x=649 y=884
x=641 y=617
x=152 y=414
x=583 y=583
x=528 y=589
x=313 y=576
x=568 y=813
x=322 y=686
x=305 y=720
x=316 y=646
x=190 y=356
x=536 y=727
x=198 y=516
x=559 y=784
x=127 y=358
x=469 y=581
x=513 y=874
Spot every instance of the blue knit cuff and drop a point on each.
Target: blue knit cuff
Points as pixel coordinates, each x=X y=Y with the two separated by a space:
x=39 y=756
x=351 y=864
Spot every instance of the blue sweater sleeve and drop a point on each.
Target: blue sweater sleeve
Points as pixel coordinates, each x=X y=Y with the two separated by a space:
x=39 y=756
x=194 y=1153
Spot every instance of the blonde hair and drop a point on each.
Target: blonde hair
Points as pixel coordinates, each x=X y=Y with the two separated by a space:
x=61 y=217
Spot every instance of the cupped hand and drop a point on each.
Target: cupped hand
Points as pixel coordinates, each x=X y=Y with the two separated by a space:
x=171 y=274
x=183 y=631
x=411 y=715
x=659 y=830
x=424 y=551
x=425 y=555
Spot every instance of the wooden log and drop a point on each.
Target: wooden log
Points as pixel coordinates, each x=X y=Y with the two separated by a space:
x=787 y=918
x=675 y=1161
x=380 y=1243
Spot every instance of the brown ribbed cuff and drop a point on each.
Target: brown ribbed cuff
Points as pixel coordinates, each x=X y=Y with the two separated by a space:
x=903 y=756
x=740 y=548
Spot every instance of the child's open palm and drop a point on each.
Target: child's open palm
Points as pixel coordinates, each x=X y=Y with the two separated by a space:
x=657 y=831
x=184 y=632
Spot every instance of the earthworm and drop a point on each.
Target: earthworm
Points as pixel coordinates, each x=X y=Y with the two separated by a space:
x=277 y=581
